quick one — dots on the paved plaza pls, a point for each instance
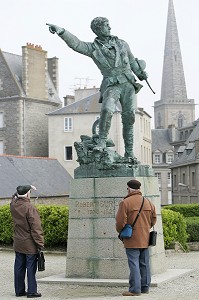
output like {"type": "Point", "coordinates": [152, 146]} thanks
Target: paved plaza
{"type": "Point", "coordinates": [183, 287]}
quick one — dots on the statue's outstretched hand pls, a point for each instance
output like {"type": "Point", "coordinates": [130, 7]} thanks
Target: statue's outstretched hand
{"type": "Point", "coordinates": [54, 28]}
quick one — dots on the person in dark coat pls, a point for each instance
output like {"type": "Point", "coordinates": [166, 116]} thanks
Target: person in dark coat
{"type": "Point", "coordinates": [28, 239]}
{"type": "Point", "coordinates": [137, 245]}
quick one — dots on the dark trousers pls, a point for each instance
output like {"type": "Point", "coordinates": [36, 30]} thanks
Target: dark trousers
{"type": "Point", "coordinates": [25, 262]}
{"type": "Point", "coordinates": [140, 276]}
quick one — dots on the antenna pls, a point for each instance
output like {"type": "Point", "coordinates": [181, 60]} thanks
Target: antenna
{"type": "Point", "coordinates": [83, 82]}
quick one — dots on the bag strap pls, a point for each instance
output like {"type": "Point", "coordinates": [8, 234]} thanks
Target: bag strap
{"type": "Point", "coordinates": [138, 213]}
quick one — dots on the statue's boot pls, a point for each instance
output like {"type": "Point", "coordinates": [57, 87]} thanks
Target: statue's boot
{"type": "Point", "coordinates": [104, 127]}
{"type": "Point", "coordinates": [128, 119]}
{"type": "Point", "coordinates": [128, 144]}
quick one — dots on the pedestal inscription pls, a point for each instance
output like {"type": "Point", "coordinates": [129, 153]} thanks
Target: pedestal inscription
{"type": "Point", "coordinates": [93, 208]}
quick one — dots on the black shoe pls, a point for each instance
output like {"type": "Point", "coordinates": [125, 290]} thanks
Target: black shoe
{"type": "Point", "coordinates": [21, 294]}
{"type": "Point", "coordinates": [34, 295]}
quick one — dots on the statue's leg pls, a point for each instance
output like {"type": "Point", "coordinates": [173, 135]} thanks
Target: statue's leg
{"type": "Point", "coordinates": [110, 98]}
{"type": "Point", "coordinates": [128, 118]}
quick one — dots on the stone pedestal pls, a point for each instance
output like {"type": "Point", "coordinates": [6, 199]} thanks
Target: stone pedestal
{"type": "Point", "coordinates": [94, 250]}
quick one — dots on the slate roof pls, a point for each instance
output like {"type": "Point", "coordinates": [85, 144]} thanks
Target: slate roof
{"type": "Point", "coordinates": [14, 63]}
{"type": "Point", "coordinates": [188, 153]}
{"type": "Point", "coordinates": [88, 104]}
{"type": "Point", "coordinates": [161, 140]}
{"type": "Point", "coordinates": [47, 174]}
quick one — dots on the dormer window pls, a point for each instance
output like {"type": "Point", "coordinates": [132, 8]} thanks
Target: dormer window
{"type": "Point", "coordinates": [189, 148]}
{"type": "Point", "coordinates": [169, 158]}
{"type": "Point", "coordinates": [157, 158]}
{"type": "Point", "coordinates": [180, 150]}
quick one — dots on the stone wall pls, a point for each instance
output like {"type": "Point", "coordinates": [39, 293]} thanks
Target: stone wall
{"type": "Point", "coordinates": [25, 130]}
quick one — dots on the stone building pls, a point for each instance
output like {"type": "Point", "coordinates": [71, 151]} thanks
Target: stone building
{"type": "Point", "coordinates": [185, 167]}
{"type": "Point", "coordinates": [173, 111]}
{"type": "Point", "coordinates": [67, 124]}
{"type": "Point", "coordinates": [28, 91]}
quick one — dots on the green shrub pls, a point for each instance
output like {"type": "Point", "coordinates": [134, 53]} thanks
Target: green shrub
{"type": "Point", "coordinates": [174, 228]}
{"type": "Point", "coordinates": [193, 229]}
{"type": "Point", "coordinates": [5, 224]}
{"type": "Point", "coordinates": [54, 223]}
{"type": "Point", "coordinates": [187, 210]}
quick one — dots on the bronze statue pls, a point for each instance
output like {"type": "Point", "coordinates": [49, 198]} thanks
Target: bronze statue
{"type": "Point", "coordinates": [117, 64]}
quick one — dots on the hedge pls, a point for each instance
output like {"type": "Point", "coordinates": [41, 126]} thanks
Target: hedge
{"type": "Point", "coordinates": [54, 223]}
{"type": "Point", "coordinates": [193, 229]}
{"type": "Point", "coordinates": [174, 228]}
{"type": "Point", "coordinates": [191, 215]}
{"type": "Point", "coordinates": [187, 210]}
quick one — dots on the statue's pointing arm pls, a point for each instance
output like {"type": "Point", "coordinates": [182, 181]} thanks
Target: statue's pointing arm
{"type": "Point", "coordinates": [71, 40]}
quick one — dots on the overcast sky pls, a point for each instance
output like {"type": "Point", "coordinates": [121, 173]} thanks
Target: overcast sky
{"type": "Point", "coordinates": [141, 23]}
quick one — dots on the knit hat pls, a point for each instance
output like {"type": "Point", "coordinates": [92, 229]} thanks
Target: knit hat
{"type": "Point", "coordinates": [23, 189]}
{"type": "Point", "coordinates": [134, 184]}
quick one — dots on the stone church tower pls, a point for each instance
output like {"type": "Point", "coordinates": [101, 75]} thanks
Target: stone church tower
{"type": "Point", "coordinates": [174, 108]}
{"type": "Point", "coordinates": [28, 91]}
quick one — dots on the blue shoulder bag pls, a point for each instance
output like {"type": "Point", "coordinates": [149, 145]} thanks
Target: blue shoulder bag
{"type": "Point", "coordinates": [127, 231]}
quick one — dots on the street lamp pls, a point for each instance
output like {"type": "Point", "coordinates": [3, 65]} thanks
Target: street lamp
{"type": "Point", "coordinates": [184, 185]}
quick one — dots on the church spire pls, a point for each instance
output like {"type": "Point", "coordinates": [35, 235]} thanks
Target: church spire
{"type": "Point", "coordinates": [173, 108]}
{"type": "Point", "coordinates": [173, 88]}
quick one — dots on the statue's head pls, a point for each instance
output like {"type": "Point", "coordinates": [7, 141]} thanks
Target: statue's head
{"type": "Point", "coordinates": [97, 23]}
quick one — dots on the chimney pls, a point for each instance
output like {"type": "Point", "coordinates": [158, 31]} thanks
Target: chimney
{"type": "Point", "coordinates": [53, 71]}
{"type": "Point", "coordinates": [35, 72]}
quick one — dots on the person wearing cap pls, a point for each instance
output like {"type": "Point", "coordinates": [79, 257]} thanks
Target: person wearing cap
{"type": "Point", "coordinates": [137, 245]}
{"type": "Point", "coordinates": [28, 239]}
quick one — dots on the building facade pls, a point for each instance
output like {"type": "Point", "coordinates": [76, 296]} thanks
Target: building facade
{"type": "Point", "coordinates": [28, 91]}
{"type": "Point", "coordinates": [67, 124]}
{"type": "Point", "coordinates": [185, 167]}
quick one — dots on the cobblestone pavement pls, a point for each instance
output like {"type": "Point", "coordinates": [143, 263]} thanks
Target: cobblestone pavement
{"type": "Point", "coordinates": [185, 287]}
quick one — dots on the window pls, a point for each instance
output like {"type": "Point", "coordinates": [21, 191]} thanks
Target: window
{"type": "Point", "coordinates": [68, 124]}
{"type": "Point", "coordinates": [1, 147]}
{"type": "Point", "coordinates": [193, 179]}
{"type": "Point", "coordinates": [68, 153]}
{"type": "Point", "coordinates": [157, 158]}
{"type": "Point", "coordinates": [158, 175]}
{"type": "Point", "coordinates": [175, 181]}
{"type": "Point", "coordinates": [169, 158]}
{"type": "Point", "coordinates": [181, 135]}
{"type": "Point", "coordinates": [1, 120]}
{"type": "Point", "coordinates": [159, 120]}
{"type": "Point", "coordinates": [169, 178]}
{"type": "Point", "coordinates": [183, 178]}
{"type": "Point", "coordinates": [180, 120]}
